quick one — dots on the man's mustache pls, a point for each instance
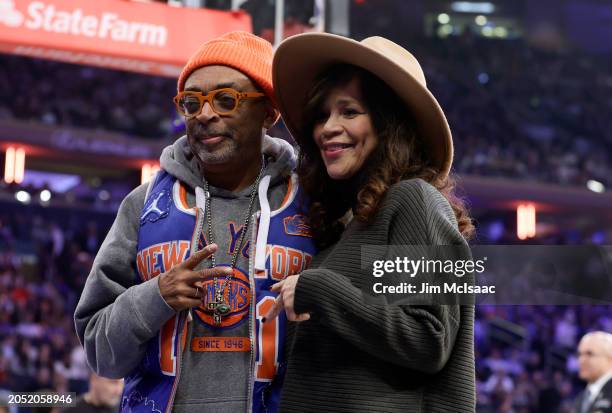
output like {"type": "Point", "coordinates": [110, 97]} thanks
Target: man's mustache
{"type": "Point", "coordinates": [200, 131]}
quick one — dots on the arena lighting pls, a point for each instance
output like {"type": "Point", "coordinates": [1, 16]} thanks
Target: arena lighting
{"type": "Point", "coordinates": [480, 20]}
{"type": "Point", "coordinates": [45, 195]}
{"type": "Point", "coordinates": [9, 165]}
{"type": "Point", "coordinates": [595, 186]}
{"type": "Point", "coordinates": [445, 30]}
{"type": "Point", "coordinates": [500, 31]}
{"type": "Point", "coordinates": [147, 171]}
{"type": "Point", "coordinates": [525, 221]}
{"type": "Point", "coordinates": [472, 7]}
{"type": "Point", "coordinates": [487, 31]}
{"type": "Point", "coordinates": [443, 18]}
{"type": "Point", "coordinates": [104, 195]}
{"type": "Point", "coordinates": [19, 165]}
{"type": "Point", "coordinates": [14, 165]}
{"type": "Point", "coordinates": [23, 197]}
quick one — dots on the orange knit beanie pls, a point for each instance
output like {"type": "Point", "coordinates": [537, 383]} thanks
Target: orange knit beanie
{"type": "Point", "coordinates": [243, 51]}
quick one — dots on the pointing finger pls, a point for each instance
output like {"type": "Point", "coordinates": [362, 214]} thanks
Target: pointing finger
{"type": "Point", "coordinates": [196, 258]}
{"type": "Point", "coordinates": [277, 287]}
{"type": "Point", "coordinates": [194, 276]}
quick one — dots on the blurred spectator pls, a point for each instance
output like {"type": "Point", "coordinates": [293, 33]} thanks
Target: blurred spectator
{"type": "Point", "coordinates": [595, 361]}
{"type": "Point", "coordinates": [499, 382]}
{"type": "Point", "coordinates": [565, 330]}
{"type": "Point", "coordinates": [103, 396]}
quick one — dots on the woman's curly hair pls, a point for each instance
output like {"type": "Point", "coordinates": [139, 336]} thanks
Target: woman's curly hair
{"type": "Point", "coordinates": [399, 155]}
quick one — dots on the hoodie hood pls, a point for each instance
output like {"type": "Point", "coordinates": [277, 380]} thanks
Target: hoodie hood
{"type": "Point", "coordinates": [178, 160]}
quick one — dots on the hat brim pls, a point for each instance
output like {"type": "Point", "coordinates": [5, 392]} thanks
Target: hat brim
{"type": "Point", "coordinates": [300, 59]}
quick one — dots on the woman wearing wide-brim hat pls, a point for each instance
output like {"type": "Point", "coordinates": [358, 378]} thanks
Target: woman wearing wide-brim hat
{"type": "Point", "coordinates": [376, 153]}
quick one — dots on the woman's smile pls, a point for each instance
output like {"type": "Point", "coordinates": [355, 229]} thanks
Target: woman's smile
{"type": "Point", "coordinates": [344, 132]}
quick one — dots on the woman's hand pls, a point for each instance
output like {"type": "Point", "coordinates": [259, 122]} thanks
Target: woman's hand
{"type": "Point", "coordinates": [285, 299]}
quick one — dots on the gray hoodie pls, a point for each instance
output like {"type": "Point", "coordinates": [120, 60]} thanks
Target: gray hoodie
{"type": "Point", "coordinates": [115, 317]}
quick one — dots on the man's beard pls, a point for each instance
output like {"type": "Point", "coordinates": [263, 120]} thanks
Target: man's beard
{"type": "Point", "coordinates": [219, 153]}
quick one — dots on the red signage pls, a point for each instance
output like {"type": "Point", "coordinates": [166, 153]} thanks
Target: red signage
{"type": "Point", "coordinates": [151, 38]}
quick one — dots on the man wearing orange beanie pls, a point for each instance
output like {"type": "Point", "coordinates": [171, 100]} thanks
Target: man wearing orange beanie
{"type": "Point", "coordinates": [176, 294]}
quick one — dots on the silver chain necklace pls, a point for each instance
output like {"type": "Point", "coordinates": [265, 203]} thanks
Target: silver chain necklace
{"type": "Point", "coordinates": [219, 307]}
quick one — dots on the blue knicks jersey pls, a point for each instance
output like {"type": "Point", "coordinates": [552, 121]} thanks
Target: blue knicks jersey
{"type": "Point", "coordinates": [170, 232]}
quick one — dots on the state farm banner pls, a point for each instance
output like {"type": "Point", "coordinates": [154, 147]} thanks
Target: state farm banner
{"type": "Point", "coordinates": [152, 38]}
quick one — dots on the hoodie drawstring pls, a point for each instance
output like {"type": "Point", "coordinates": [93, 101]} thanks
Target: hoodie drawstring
{"type": "Point", "coordinates": [200, 198]}
{"type": "Point", "coordinates": [264, 224]}
{"type": "Point", "coordinates": [201, 205]}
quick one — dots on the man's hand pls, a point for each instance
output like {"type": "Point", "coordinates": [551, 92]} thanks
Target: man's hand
{"type": "Point", "coordinates": [180, 286]}
{"type": "Point", "coordinates": [286, 296]}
